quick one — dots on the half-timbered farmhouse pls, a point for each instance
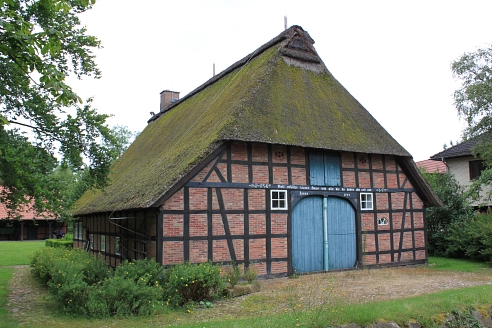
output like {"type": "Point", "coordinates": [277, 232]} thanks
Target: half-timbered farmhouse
{"type": "Point", "coordinates": [270, 163]}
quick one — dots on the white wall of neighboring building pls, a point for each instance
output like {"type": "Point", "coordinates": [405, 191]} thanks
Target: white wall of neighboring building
{"type": "Point", "coordinates": [459, 168]}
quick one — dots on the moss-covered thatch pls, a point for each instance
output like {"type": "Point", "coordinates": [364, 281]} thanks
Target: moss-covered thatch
{"type": "Point", "coordinates": [280, 94]}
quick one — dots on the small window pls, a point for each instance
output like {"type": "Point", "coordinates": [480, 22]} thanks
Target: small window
{"type": "Point", "coordinates": [475, 168]}
{"type": "Point", "coordinates": [76, 230]}
{"type": "Point", "coordinates": [117, 245]}
{"type": "Point", "coordinates": [91, 238]}
{"type": "Point", "coordinates": [278, 199]}
{"type": "Point", "coordinates": [365, 201]}
{"type": "Point", "coordinates": [77, 227]}
{"type": "Point", "coordinates": [103, 243]}
{"type": "Point", "coordinates": [382, 221]}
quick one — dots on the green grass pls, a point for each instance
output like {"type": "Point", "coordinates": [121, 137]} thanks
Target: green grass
{"type": "Point", "coordinates": [429, 310]}
{"type": "Point", "coordinates": [5, 319]}
{"type": "Point", "coordinates": [446, 264]}
{"type": "Point", "coordinates": [13, 253]}
{"type": "Point", "coordinates": [17, 252]}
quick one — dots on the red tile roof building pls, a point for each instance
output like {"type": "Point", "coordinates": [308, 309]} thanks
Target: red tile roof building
{"type": "Point", "coordinates": [31, 225]}
{"type": "Point", "coordinates": [432, 166]}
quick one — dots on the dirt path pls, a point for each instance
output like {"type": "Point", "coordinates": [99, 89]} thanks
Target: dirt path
{"type": "Point", "coordinates": [284, 294]}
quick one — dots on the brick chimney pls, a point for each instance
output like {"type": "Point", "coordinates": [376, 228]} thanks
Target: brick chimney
{"type": "Point", "coordinates": [168, 97]}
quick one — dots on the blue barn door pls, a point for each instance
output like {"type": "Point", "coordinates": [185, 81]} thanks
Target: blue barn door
{"type": "Point", "coordinates": [307, 235]}
{"type": "Point", "coordinates": [342, 252]}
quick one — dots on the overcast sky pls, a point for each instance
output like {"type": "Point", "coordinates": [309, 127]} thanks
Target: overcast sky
{"type": "Point", "coordinates": [393, 56]}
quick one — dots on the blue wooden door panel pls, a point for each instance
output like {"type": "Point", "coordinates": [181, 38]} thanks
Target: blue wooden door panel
{"type": "Point", "coordinates": [316, 169]}
{"type": "Point", "coordinates": [342, 251]}
{"type": "Point", "coordinates": [332, 169]}
{"type": "Point", "coordinates": [324, 169]}
{"type": "Point", "coordinates": [307, 235]}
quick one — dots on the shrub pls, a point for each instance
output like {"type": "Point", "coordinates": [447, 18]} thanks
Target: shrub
{"type": "Point", "coordinates": [84, 284]}
{"type": "Point", "coordinates": [121, 296]}
{"type": "Point", "coordinates": [250, 273]}
{"type": "Point", "coordinates": [441, 220]}
{"type": "Point", "coordinates": [232, 274]}
{"type": "Point", "coordinates": [187, 282]}
{"type": "Point", "coordinates": [43, 260]}
{"type": "Point", "coordinates": [472, 239]}
{"type": "Point", "coordinates": [57, 243]}
{"type": "Point", "coordinates": [145, 271]}
{"type": "Point", "coordinates": [68, 274]}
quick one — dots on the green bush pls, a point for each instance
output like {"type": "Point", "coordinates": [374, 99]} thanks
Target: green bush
{"type": "Point", "coordinates": [120, 296]}
{"type": "Point", "coordinates": [66, 243]}
{"type": "Point", "coordinates": [145, 271]}
{"type": "Point", "coordinates": [232, 274]}
{"type": "Point", "coordinates": [84, 284]}
{"type": "Point", "coordinates": [472, 239]}
{"type": "Point", "coordinates": [250, 273]}
{"type": "Point", "coordinates": [442, 220]}
{"type": "Point", "coordinates": [68, 274]}
{"type": "Point", "coordinates": [188, 282]}
{"type": "Point", "coordinates": [69, 288]}
{"type": "Point", "coordinates": [134, 289]}
{"type": "Point", "coordinates": [43, 260]}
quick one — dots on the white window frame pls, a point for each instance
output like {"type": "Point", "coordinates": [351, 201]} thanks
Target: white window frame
{"type": "Point", "coordinates": [103, 243]}
{"type": "Point", "coordinates": [278, 200]}
{"type": "Point", "coordinates": [117, 245]}
{"type": "Point", "coordinates": [366, 201]}
{"type": "Point", "coordinates": [91, 238]}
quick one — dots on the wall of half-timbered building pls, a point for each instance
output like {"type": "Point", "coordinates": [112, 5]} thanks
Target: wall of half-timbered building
{"type": "Point", "coordinates": [118, 236]}
{"type": "Point", "coordinates": [224, 213]}
{"type": "Point", "coordinates": [229, 211]}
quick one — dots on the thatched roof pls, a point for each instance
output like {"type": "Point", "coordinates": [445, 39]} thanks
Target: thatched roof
{"type": "Point", "coordinates": [282, 93]}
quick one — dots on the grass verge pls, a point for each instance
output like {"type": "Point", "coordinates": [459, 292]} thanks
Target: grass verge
{"type": "Point", "coordinates": [17, 252]}
{"type": "Point", "coordinates": [429, 310]}
{"type": "Point", "coordinates": [5, 319]}
{"type": "Point", "coordinates": [441, 263]}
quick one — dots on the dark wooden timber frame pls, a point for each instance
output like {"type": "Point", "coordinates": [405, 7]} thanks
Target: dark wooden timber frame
{"type": "Point", "coordinates": [295, 192]}
{"type": "Point", "coordinates": [132, 228]}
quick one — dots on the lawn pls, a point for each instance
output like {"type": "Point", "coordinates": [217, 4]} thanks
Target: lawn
{"type": "Point", "coordinates": [17, 252]}
{"type": "Point", "coordinates": [440, 263]}
{"type": "Point", "coordinates": [259, 310]}
{"type": "Point", "coordinates": [13, 253]}
{"type": "Point", "coordinates": [5, 319]}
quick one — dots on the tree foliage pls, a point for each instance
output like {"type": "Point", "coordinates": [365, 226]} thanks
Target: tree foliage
{"type": "Point", "coordinates": [41, 118]}
{"type": "Point", "coordinates": [72, 184]}
{"type": "Point", "coordinates": [473, 101]}
{"type": "Point", "coordinates": [123, 138]}
{"type": "Point", "coordinates": [471, 239]}
{"type": "Point", "coordinates": [440, 220]}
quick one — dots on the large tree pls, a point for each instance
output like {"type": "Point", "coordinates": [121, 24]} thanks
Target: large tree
{"type": "Point", "coordinates": [473, 101]}
{"type": "Point", "coordinates": [42, 120]}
